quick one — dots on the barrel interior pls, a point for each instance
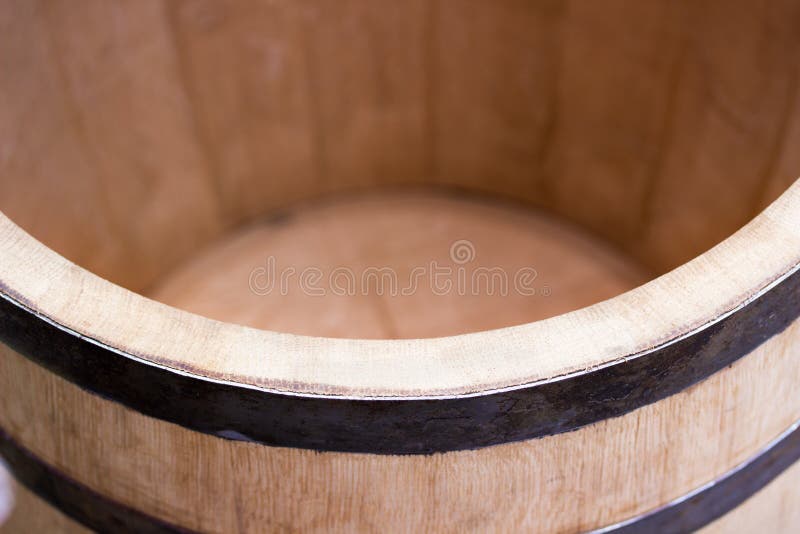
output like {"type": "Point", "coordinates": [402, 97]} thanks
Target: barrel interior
{"type": "Point", "coordinates": [174, 147]}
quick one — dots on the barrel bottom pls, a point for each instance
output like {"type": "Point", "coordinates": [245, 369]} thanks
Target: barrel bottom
{"type": "Point", "coordinates": [399, 265]}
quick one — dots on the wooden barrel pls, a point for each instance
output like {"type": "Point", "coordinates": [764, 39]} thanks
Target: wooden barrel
{"type": "Point", "coordinates": [211, 210]}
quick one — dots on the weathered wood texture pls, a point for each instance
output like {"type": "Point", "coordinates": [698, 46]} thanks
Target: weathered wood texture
{"type": "Point", "coordinates": [136, 137]}
{"type": "Point", "coordinates": [639, 120]}
{"type": "Point", "coordinates": [585, 479]}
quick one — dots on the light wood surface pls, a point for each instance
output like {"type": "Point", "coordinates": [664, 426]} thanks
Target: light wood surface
{"type": "Point", "coordinates": [694, 295]}
{"type": "Point", "coordinates": [773, 509]}
{"type": "Point", "coordinates": [375, 256]}
{"type": "Point", "coordinates": [151, 148]}
{"type": "Point", "coordinates": [63, 151]}
{"type": "Point", "coordinates": [570, 482]}
{"type": "Point", "coordinates": [191, 118]}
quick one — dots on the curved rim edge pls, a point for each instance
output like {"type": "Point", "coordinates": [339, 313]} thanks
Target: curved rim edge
{"type": "Point", "coordinates": [689, 299]}
{"type": "Point", "coordinates": [400, 426]}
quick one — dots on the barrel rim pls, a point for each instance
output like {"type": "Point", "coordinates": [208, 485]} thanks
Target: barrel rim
{"type": "Point", "coordinates": [399, 426]}
{"type": "Point", "coordinates": [637, 323]}
{"type": "Point", "coordinates": [376, 424]}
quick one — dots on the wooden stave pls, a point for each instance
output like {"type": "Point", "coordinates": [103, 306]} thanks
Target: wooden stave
{"type": "Point", "coordinates": [768, 289]}
{"type": "Point", "coordinates": [691, 512]}
{"type": "Point", "coordinates": [779, 411]}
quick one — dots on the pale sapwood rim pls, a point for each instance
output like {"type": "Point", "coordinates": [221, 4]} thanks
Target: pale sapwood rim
{"type": "Point", "coordinates": [663, 312]}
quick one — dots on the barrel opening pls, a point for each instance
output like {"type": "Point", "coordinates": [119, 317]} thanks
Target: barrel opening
{"type": "Point", "coordinates": [375, 170]}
